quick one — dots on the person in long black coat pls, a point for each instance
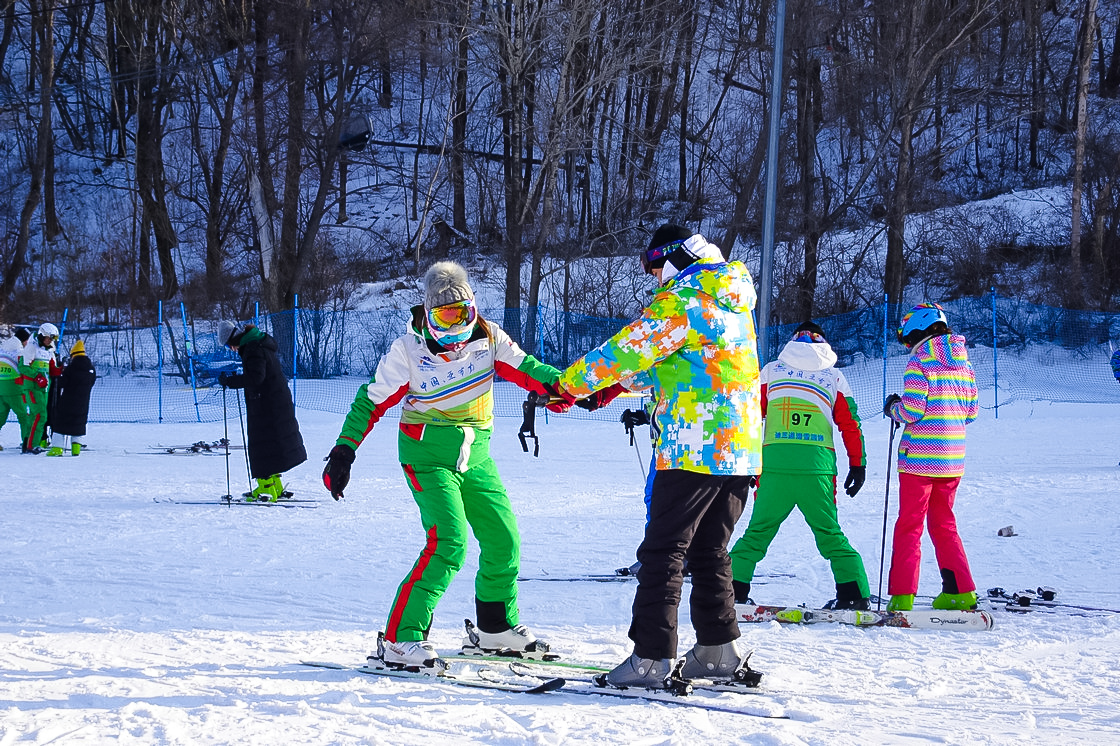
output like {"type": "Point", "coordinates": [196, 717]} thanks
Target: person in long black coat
{"type": "Point", "coordinates": [71, 409]}
{"type": "Point", "coordinates": [275, 444]}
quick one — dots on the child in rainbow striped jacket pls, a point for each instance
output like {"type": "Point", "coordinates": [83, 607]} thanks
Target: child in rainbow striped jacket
{"type": "Point", "coordinates": [938, 400]}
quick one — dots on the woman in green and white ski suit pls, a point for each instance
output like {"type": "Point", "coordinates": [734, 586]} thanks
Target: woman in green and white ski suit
{"type": "Point", "coordinates": [444, 379]}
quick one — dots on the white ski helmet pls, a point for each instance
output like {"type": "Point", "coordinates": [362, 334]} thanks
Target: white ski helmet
{"type": "Point", "coordinates": [48, 330]}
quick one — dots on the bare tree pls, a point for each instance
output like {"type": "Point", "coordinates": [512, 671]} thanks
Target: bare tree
{"type": "Point", "coordinates": [217, 33]}
{"type": "Point", "coordinates": [1075, 295]}
{"type": "Point", "coordinates": [148, 32]}
{"type": "Point", "coordinates": [914, 41]}
{"type": "Point", "coordinates": [42, 27]}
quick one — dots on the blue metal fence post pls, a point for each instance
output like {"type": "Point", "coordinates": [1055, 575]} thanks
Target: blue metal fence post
{"type": "Point", "coordinates": [189, 347]}
{"type": "Point", "coordinates": [257, 314]}
{"type": "Point", "coordinates": [159, 358]}
{"type": "Point", "coordinates": [62, 326]}
{"type": "Point", "coordinates": [295, 346]}
{"type": "Point", "coordinates": [886, 340]}
{"type": "Point", "coordinates": [995, 351]}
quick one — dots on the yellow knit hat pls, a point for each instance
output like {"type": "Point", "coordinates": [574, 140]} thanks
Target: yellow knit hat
{"type": "Point", "coordinates": [78, 348]}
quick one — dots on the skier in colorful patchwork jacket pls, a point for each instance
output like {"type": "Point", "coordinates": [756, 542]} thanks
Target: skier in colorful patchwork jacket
{"type": "Point", "coordinates": [938, 401]}
{"type": "Point", "coordinates": [442, 370]}
{"type": "Point", "coordinates": [275, 444]}
{"type": "Point", "coordinates": [697, 340]}
{"type": "Point", "coordinates": [804, 398]}
{"type": "Point", "coordinates": [38, 366]}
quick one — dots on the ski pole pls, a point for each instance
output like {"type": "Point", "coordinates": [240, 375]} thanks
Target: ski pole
{"type": "Point", "coordinates": [225, 440]}
{"type": "Point", "coordinates": [886, 503]}
{"type": "Point", "coordinates": [244, 444]}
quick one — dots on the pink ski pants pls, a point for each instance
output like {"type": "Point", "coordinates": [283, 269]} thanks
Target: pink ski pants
{"type": "Point", "coordinates": [926, 500]}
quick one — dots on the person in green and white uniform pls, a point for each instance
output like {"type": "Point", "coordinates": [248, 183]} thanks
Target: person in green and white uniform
{"type": "Point", "coordinates": [11, 382]}
{"type": "Point", "coordinates": [442, 372]}
{"type": "Point", "coordinates": [804, 398]}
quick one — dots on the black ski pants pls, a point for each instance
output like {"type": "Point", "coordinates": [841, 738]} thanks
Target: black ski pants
{"type": "Point", "coordinates": [692, 517]}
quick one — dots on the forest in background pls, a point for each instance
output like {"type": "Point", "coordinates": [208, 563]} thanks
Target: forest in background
{"type": "Point", "coordinates": [222, 153]}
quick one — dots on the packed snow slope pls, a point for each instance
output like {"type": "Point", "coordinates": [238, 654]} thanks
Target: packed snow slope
{"type": "Point", "coordinates": [128, 619]}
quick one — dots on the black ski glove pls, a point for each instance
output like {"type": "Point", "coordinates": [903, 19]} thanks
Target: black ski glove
{"type": "Point", "coordinates": [229, 380]}
{"type": "Point", "coordinates": [890, 402]}
{"type": "Point", "coordinates": [856, 476]}
{"type": "Point", "coordinates": [336, 475]}
{"type": "Point", "coordinates": [631, 418]}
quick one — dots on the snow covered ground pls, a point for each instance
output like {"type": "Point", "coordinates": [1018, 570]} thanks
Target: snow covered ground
{"type": "Point", "coordinates": [132, 621]}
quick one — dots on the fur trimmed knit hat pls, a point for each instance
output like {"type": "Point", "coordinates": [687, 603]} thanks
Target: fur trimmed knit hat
{"type": "Point", "coordinates": [446, 282]}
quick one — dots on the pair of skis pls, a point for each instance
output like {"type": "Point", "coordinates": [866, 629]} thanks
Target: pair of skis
{"type": "Point", "coordinates": [531, 676]}
{"type": "Point", "coordinates": [954, 619]}
{"type": "Point", "coordinates": [281, 503]}
{"type": "Point", "coordinates": [217, 447]}
{"type": "Point", "coordinates": [622, 575]}
{"type": "Point", "coordinates": [1040, 597]}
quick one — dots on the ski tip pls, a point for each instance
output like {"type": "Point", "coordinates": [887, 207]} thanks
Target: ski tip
{"type": "Point", "coordinates": [547, 686]}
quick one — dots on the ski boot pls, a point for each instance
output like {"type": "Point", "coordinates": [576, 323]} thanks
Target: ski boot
{"type": "Point", "coordinates": [903, 602]}
{"type": "Point", "coordinates": [645, 673]}
{"type": "Point", "coordinates": [55, 451]}
{"type": "Point", "coordinates": [408, 655]}
{"type": "Point", "coordinates": [629, 572]}
{"type": "Point", "coordinates": [742, 592]}
{"type": "Point", "coordinates": [515, 642]}
{"type": "Point", "coordinates": [848, 596]}
{"type": "Point", "coordinates": [75, 449]}
{"type": "Point", "coordinates": [722, 663]}
{"type": "Point", "coordinates": [946, 601]}
{"type": "Point", "coordinates": [268, 489]}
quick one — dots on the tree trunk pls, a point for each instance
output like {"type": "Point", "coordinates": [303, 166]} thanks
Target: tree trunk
{"type": "Point", "coordinates": [215, 171]}
{"type": "Point", "coordinates": [151, 182]}
{"type": "Point", "coordinates": [894, 277]}
{"type": "Point", "coordinates": [6, 35]}
{"type": "Point", "coordinates": [42, 18]}
{"type": "Point", "coordinates": [1110, 84]}
{"type": "Point", "coordinates": [1075, 296]}
{"type": "Point", "coordinates": [459, 122]}
{"type": "Point", "coordinates": [511, 70]}
{"type": "Point", "coordinates": [807, 71]}
{"type": "Point", "coordinates": [279, 286]}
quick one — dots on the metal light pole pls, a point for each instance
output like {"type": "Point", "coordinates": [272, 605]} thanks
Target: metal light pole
{"type": "Point", "coordinates": [766, 271]}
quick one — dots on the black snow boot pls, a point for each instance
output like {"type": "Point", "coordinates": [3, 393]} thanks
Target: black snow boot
{"type": "Point", "coordinates": [848, 597]}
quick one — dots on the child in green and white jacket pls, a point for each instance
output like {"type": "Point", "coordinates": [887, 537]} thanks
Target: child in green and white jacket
{"type": "Point", "coordinates": [804, 399]}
